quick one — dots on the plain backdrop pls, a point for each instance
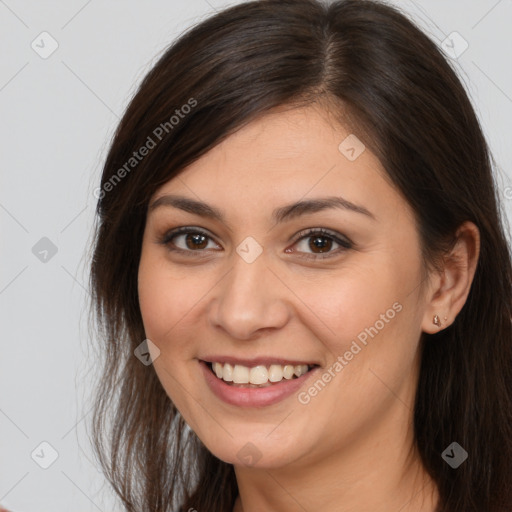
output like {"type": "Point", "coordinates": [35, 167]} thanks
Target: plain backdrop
{"type": "Point", "coordinates": [57, 115]}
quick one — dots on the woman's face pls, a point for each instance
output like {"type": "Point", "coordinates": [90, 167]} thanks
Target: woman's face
{"type": "Point", "coordinates": [252, 290]}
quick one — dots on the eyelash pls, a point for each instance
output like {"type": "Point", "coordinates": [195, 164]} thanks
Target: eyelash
{"type": "Point", "coordinates": [309, 233]}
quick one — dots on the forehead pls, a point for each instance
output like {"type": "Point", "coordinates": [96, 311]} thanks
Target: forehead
{"type": "Point", "coordinates": [283, 156]}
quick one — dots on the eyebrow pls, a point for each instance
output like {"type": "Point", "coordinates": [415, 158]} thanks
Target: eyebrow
{"type": "Point", "coordinates": [279, 215]}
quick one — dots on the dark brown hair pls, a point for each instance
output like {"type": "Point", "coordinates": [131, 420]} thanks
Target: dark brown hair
{"type": "Point", "coordinates": [388, 81]}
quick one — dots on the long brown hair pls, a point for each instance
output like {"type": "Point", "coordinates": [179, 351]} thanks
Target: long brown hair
{"type": "Point", "coordinates": [385, 77]}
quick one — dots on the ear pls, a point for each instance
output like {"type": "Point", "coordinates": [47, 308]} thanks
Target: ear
{"type": "Point", "coordinates": [449, 289]}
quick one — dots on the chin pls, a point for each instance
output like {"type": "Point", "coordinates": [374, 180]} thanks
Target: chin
{"type": "Point", "coordinates": [256, 451]}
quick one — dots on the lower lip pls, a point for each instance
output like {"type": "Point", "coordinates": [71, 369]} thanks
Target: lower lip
{"type": "Point", "coordinates": [252, 397]}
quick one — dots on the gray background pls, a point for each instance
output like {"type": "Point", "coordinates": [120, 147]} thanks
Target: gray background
{"type": "Point", "coordinates": [57, 117]}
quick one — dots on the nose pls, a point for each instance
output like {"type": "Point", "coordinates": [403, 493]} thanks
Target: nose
{"type": "Point", "coordinates": [250, 301]}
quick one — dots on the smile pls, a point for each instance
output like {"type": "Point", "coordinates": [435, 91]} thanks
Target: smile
{"type": "Point", "coordinates": [259, 375]}
{"type": "Point", "coordinates": [257, 383]}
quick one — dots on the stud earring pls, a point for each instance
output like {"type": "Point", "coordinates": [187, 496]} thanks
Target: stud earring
{"type": "Point", "coordinates": [437, 321]}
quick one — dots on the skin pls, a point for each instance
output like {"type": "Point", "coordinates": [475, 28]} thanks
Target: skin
{"type": "Point", "coordinates": [351, 447]}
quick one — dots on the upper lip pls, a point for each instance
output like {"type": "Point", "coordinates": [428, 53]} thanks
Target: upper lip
{"type": "Point", "coordinates": [257, 361]}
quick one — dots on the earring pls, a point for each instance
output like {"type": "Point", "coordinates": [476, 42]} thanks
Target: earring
{"type": "Point", "coordinates": [437, 321]}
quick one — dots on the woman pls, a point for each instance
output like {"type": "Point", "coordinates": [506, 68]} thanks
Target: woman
{"type": "Point", "coordinates": [298, 227]}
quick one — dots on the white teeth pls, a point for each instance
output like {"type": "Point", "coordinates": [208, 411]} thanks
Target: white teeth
{"type": "Point", "coordinates": [241, 374]}
{"type": "Point", "coordinates": [227, 372]}
{"type": "Point", "coordinates": [217, 368]}
{"type": "Point", "coordinates": [275, 373]}
{"type": "Point", "coordinates": [301, 369]}
{"type": "Point", "coordinates": [257, 375]}
{"type": "Point", "coordinates": [288, 371]}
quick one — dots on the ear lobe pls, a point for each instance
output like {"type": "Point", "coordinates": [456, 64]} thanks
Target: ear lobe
{"type": "Point", "coordinates": [451, 287]}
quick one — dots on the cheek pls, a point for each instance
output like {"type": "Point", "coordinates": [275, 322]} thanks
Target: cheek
{"type": "Point", "coordinates": [172, 303]}
{"type": "Point", "coordinates": [356, 300]}
{"type": "Point", "coordinates": [372, 318]}
{"type": "Point", "coordinates": [371, 356]}
{"type": "Point", "coordinates": [164, 300]}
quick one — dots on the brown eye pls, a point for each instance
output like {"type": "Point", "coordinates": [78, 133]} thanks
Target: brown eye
{"type": "Point", "coordinates": [187, 240]}
{"type": "Point", "coordinates": [196, 241]}
{"type": "Point", "coordinates": [320, 242]}
{"type": "Point", "coordinates": [313, 244]}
